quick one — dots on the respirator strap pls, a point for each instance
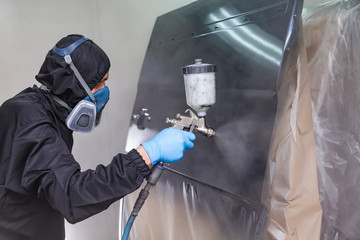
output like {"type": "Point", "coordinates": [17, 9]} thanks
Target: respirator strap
{"type": "Point", "coordinates": [61, 102]}
{"type": "Point", "coordinates": [65, 52]}
{"type": "Point", "coordinates": [79, 77]}
{"type": "Point", "coordinates": [56, 98]}
{"type": "Point", "coordinates": [69, 49]}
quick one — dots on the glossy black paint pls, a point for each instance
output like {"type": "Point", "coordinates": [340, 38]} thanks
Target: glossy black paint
{"type": "Point", "coordinates": [246, 40]}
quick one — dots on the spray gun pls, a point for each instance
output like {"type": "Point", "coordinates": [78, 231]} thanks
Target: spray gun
{"type": "Point", "coordinates": [199, 80]}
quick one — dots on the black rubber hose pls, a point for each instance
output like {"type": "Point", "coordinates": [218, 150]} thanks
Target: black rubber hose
{"type": "Point", "coordinates": [144, 193]}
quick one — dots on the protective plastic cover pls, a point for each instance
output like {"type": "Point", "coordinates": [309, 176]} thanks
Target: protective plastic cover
{"type": "Point", "coordinates": [332, 38]}
{"type": "Point", "coordinates": [291, 190]}
{"type": "Point", "coordinates": [329, 64]}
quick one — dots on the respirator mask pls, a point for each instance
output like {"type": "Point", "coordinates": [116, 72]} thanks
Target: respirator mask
{"type": "Point", "coordinates": [87, 113]}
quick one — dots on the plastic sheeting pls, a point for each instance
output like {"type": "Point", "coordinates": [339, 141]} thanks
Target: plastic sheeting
{"type": "Point", "coordinates": [291, 190]}
{"type": "Point", "coordinates": [302, 171]}
{"type": "Point", "coordinates": [332, 38]}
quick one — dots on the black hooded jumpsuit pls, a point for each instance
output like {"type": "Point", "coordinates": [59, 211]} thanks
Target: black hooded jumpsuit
{"type": "Point", "coordinates": [40, 181]}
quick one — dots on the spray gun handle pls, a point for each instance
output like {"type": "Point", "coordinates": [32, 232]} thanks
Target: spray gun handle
{"type": "Point", "coordinates": [175, 123]}
{"type": "Point", "coordinates": [191, 123]}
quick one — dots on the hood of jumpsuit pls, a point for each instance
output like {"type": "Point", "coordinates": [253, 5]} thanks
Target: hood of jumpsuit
{"type": "Point", "coordinates": [90, 60]}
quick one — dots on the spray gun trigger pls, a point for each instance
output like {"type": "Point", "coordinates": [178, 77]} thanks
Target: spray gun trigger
{"type": "Point", "coordinates": [194, 119]}
{"type": "Point", "coordinates": [193, 125]}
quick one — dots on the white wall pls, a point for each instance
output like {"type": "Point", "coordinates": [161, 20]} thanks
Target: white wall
{"type": "Point", "coordinates": [28, 29]}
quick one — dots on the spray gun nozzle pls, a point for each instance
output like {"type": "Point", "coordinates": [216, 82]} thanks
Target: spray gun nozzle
{"type": "Point", "coordinates": [203, 129]}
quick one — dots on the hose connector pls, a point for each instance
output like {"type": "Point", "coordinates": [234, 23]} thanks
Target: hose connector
{"type": "Point", "coordinates": [156, 172]}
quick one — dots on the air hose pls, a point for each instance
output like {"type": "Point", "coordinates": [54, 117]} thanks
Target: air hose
{"type": "Point", "coordinates": [156, 172]}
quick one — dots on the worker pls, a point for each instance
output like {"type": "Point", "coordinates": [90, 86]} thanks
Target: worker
{"type": "Point", "coordinates": [40, 181]}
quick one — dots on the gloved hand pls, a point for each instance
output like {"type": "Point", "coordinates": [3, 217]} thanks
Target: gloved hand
{"type": "Point", "coordinates": [169, 145]}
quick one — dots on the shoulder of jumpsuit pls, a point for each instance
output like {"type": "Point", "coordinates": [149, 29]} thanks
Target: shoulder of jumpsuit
{"type": "Point", "coordinates": [25, 108]}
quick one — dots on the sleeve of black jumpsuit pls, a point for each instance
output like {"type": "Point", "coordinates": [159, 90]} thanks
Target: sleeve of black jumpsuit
{"type": "Point", "coordinates": [52, 172]}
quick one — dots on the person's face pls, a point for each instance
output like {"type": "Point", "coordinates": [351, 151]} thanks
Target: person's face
{"type": "Point", "coordinates": [101, 84]}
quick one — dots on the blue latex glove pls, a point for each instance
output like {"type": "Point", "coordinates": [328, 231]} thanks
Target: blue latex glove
{"type": "Point", "coordinates": [169, 145]}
